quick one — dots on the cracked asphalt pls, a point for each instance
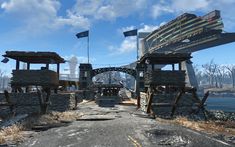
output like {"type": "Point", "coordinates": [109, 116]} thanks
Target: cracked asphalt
{"type": "Point", "coordinates": [120, 126]}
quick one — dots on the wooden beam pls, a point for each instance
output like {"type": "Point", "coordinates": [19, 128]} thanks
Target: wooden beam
{"type": "Point", "coordinates": [58, 69]}
{"type": "Point", "coordinates": [176, 102]}
{"type": "Point", "coordinates": [180, 66]}
{"type": "Point", "coordinates": [17, 64]}
{"type": "Point", "coordinates": [150, 99]}
{"type": "Point", "coordinates": [138, 102]}
{"type": "Point", "coordinates": [44, 100]}
{"type": "Point", "coordinates": [7, 96]}
{"type": "Point", "coordinates": [47, 66]}
{"type": "Point", "coordinates": [28, 66]}
{"type": "Point", "coordinates": [201, 105]}
{"type": "Point", "coordinates": [205, 98]}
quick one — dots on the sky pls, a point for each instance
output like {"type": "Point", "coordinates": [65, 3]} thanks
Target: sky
{"type": "Point", "coordinates": [51, 25]}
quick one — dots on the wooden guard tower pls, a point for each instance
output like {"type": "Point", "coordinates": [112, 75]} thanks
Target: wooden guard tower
{"type": "Point", "coordinates": [160, 83]}
{"type": "Point", "coordinates": [43, 77]}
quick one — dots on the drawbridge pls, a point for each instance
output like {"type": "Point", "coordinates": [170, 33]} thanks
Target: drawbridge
{"type": "Point", "coordinates": [188, 33]}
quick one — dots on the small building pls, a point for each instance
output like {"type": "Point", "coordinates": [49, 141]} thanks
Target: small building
{"type": "Point", "coordinates": [166, 93]}
{"type": "Point", "coordinates": [40, 77]}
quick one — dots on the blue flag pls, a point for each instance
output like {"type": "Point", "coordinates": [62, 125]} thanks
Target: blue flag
{"type": "Point", "coordinates": [130, 33]}
{"type": "Point", "coordinates": [82, 34]}
{"type": "Point", "coordinates": [5, 60]}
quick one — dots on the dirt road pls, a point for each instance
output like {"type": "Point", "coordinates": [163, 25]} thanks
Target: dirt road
{"type": "Point", "coordinates": [121, 126]}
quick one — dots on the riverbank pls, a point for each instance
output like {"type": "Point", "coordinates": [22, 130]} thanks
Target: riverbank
{"type": "Point", "coordinates": [220, 92]}
{"type": "Point", "coordinates": [218, 115]}
{"type": "Point", "coordinates": [225, 104]}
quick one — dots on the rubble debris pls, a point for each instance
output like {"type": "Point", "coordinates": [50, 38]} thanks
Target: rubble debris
{"type": "Point", "coordinates": [176, 141]}
{"type": "Point", "coordinates": [221, 115]}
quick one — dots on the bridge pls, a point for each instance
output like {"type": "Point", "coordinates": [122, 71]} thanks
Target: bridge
{"type": "Point", "coordinates": [185, 34]}
{"type": "Point", "coordinates": [118, 69]}
{"type": "Point", "coordinates": [188, 33]}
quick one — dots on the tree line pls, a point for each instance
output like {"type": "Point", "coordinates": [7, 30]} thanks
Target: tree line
{"type": "Point", "coordinates": [215, 75]}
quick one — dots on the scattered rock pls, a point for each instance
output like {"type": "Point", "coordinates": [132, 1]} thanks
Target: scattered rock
{"type": "Point", "coordinates": [226, 138]}
{"type": "Point", "coordinates": [230, 139]}
{"type": "Point", "coordinates": [221, 115]}
{"type": "Point", "coordinates": [176, 141]}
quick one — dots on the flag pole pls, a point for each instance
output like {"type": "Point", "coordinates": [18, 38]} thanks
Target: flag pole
{"type": "Point", "coordinates": [137, 45]}
{"type": "Point", "coordinates": [88, 49]}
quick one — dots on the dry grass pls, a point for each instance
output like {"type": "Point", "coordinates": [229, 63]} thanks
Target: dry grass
{"type": "Point", "coordinates": [51, 118]}
{"type": "Point", "coordinates": [11, 134]}
{"type": "Point", "coordinates": [66, 116]}
{"type": "Point", "coordinates": [14, 134]}
{"type": "Point", "coordinates": [226, 128]}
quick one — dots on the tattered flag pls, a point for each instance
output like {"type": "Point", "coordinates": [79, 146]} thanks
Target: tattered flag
{"type": "Point", "coordinates": [130, 33]}
{"type": "Point", "coordinates": [5, 60]}
{"type": "Point", "coordinates": [82, 34]}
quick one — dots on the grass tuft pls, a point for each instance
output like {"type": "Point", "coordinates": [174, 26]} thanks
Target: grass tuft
{"type": "Point", "coordinates": [223, 127]}
{"type": "Point", "coordinates": [11, 134]}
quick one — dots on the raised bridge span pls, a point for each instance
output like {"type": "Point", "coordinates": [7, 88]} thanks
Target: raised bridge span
{"type": "Point", "coordinates": [188, 33]}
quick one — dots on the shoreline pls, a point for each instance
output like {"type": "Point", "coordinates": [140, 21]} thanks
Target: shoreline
{"type": "Point", "coordinates": [222, 95]}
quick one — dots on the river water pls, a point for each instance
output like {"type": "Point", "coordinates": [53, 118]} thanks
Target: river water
{"type": "Point", "coordinates": [226, 104]}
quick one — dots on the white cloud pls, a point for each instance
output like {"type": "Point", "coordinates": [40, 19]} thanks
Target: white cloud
{"type": "Point", "coordinates": [128, 45]}
{"type": "Point", "coordinates": [75, 20]}
{"type": "Point", "coordinates": [108, 9]}
{"type": "Point", "coordinates": [160, 9]}
{"type": "Point", "coordinates": [106, 12]}
{"type": "Point", "coordinates": [178, 6]}
{"type": "Point", "coordinates": [148, 28]}
{"type": "Point", "coordinates": [188, 6]}
{"type": "Point", "coordinates": [36, 16]}
{"type": "Point", "coordinates": [41, 15]}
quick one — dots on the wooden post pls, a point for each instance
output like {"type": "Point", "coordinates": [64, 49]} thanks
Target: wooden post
{"type": "Point", "coordinates": [44, 102]}
{"type": "Point", "coordinates": [7, 96]}
{"type": "Point", "coordinates": [138, 102]}
{"type": "Point", "coordinates": [176, 102]}
{"type": "Point", "coordinates": [201, 105]}
{"type": "Point", "coordinates": [47, 100]}
{"type": "Point", "coordinates": [150, 99]}
{"type": "Point", "coordinates": [40, 98]}
{"type": "Point", "coordinates": [14, 89]}
{"type": "Point", "coordinates": [204, 98]}
{"type": "Point", "coordinates": [17, 64]}
{"type": "Point", "coordinates": [28, 66]}
{"type": "Point", "coordinates": [47, 66]}
{"type": "Point", "coordinates": [180, 66]}
{"type": "Point", "coordinates": [58, 75]}
{"type": "Point", "coordinates": [58, 69]}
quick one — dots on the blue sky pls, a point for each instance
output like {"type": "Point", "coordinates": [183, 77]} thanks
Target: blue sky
{"type": "Point", "coordinates": [51, 25]}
